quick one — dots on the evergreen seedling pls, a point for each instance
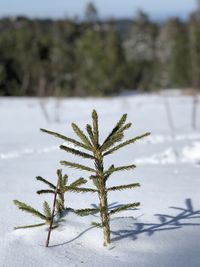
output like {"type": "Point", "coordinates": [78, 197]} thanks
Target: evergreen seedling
{"type": "Point", "coordinates": [97, 152]}
{"type": "Point", "coordinates": [59, 190]}
{"type": "Point", "coordinates": [63, 187]}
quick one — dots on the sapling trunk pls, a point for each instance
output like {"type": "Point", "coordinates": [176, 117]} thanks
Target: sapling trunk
{"type": "Point", "coordinates": [102, 193]}
{"type": "Point", "coordinates": [62, 201]}
{"type": "Point", "coordinates": [104, 216]}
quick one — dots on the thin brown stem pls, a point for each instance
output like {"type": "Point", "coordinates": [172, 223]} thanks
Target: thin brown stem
{"type": "Point", "coordinates": [52, 217]}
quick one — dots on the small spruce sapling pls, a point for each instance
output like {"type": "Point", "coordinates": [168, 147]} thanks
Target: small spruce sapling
{"type": "Point", "coordinates": [97, 153]}
{"type": "Point", "coordinates": [63, 187]}
{"type": "Point", "coordinates": [60, 190]}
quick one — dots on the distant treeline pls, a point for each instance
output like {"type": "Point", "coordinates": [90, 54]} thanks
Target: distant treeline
{"type": "Point", "coordinates": [93, 57]}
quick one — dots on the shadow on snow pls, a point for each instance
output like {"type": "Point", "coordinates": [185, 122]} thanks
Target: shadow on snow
{"type": "Point", "coordinates": [166, 222]}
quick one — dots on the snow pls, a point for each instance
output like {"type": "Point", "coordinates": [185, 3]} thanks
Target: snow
{"type": "Point", "coordinates": [192, 153]}
{"type": "Point", "coordinates": [163, 232]}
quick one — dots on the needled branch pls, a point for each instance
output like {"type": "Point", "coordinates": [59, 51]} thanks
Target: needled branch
{"type": "Point", "coordinates": [79, 190]}
{"type": "Point", "coordinates": [112, 141]}
{"type": "Point", "coordinates": [67, 139]}
{"type": "Point", "coordinates": [121, 168]}
{"type": "Point", "coordinates": [123, 187]}
{"type": "Point", "coordinates": [124, 207]}
{"type": "Point", "coordinates": [119, 124]}
{"type": "Point", "coordinates": [78, 182]}
{"type": "Point", "coordinates": [77, 166]}
{"type": "Point", "coordinates": [39, 178]}
{"type": "Point", "coordinates": [91, 135]}
{"type": "Point", "coordinates": [95, 128]}
{"type": "Point", "coordinates": [128, 142]}
{"type": "Point", "coordinates": [29, 226]}
{"type": "Point", "coordinates": [76, 152]}
{"type": "Point", "coordinates": [45, 191]}
{"type": "Point", "coordinates": [81, 135]}
{"type": "Point", "coordinates": [24, 207]}
{"type": "Point", "coordinates": [86, 212]}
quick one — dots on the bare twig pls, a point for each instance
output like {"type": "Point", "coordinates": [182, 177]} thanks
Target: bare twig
{"type": "Point", "coordinates": [52, 217]}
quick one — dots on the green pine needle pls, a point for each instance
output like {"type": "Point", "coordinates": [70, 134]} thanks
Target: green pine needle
{"type": "Point", "coordinates": [90, 133]}
{"type": "Point", "coordinates": [123, 187]}
{"type": "Point", "coordinates": [78, 182]}
{"type": "Point", "coordinates": [67, 139]}
{"type": "Point", "coordinates": [117, 137]}
{"type": "Point", "coordinates": [59, 207]}
{"type": "Point", "coordinates": [59, 173]}
{"type": "Point", "coordinates": [108, 172]}
{"type": "Point", "coordinates": [45, 191]}
{"type": "Point", "coordinates": [124, 207]}
{"type": "Point", "coordinates": [119, 124]}
{"type": "Point", "coordinates": [65, 179]}
{"type": "Point", "coordinates": [47, 210]}
{"type": "Point", "coordinates": [76, 152]}
{"type": "Point", "coordinates": [95, 128]}
{"type": "Point", "coordinates": [79, 190]}
{"type": "Point", "coordinates": [121, 168]}
{"type": "Point", "coordinates": [24, 207]}
{"type": "Point", "coordinates": [125, 127]}
{"type": "Point", "coordinates": [128, 142]}
{"type": "Point", "coordinates": [29, 226]}
{"type": "Point", "coordinates": [81, 135]}
{"type": "Point", "coordinates": [86, 212]}
{"type": "Point", "coordinates": [39, 178]}
{"type": "Point", "coordinates": [77, 166]}
{"type": "Point", "coordinates": [95, 180]}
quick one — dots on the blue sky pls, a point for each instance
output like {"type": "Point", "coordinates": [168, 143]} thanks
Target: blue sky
{"type": "Point", "coordinates": [158, 9]}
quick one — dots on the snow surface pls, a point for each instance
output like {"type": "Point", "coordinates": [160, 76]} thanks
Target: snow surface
{"type": "Point", "coordinates": [164, 232]}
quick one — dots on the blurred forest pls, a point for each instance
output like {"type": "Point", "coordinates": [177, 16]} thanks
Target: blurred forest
{"type": "Point", "coordinates": [97, 57]}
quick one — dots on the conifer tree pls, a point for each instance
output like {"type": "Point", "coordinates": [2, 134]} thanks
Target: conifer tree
{"type": "Point", "coordinates": [97, 152]}
{"type": "Point", "coordinates": [60, 189]}
{"type": "Point", "coordinates": [63, 187]}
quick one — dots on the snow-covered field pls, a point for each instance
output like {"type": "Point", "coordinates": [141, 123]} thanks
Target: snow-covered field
{"type": "Point", "coordinates": [164, 232]}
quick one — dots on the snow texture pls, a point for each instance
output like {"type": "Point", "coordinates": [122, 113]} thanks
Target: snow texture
{"type": "Point", "coordinates": [163, 232]}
